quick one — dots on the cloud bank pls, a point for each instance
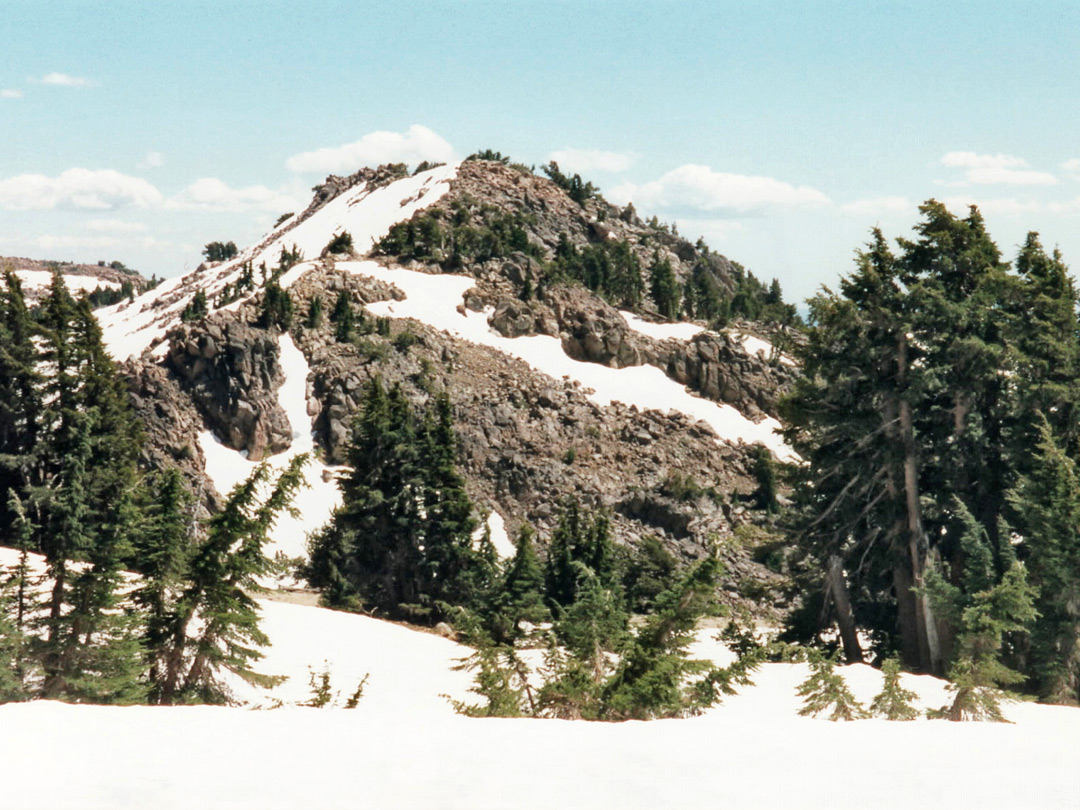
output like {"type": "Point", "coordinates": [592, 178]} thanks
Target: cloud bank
{"type": "Point", "coordinates": [417, 144]}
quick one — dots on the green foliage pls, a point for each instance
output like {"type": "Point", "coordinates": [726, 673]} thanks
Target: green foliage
{"type": "Point", "coordinates": [664, 288]}
{"type": "Point", "coordinates": [765, 473]}
{"type": "Point", "coordinates": [893, 702]}
{"type": "Point", "coordinates": [222, 575]}
{"type": "Point", "coordinates": [649, 569]}
{"type": "Point", "coordinates": [276, 308]}
{"type": "Point", "coordinates": [985, 618]}
{"type": "Point", "coordinates": [654, 677]}
{"type": "Point", "coordinates": [1047, 500]}
{"type": "Point", "coordinates": [826, 690]}
{"type": "Point", "coordinates": [220, 251]}
{"type": "Point", "coordinates": [519, 597]}
{"type": "Point", "coordinates": [339, 243]}
{"type": "Point", "coordinates": [610, 268]}
{"type": "Point", "coordinates": [314, 317]}
{"type": "Point", "coordinates": [402, 540]}
{"type": "Point", "coordinates": [282, 218]}
{"type": "Point", "coordinates": [578, 190]}
{"type": "Point", "coordinates": [490, 154]}
{"type": "Point", "coordinates": [196, 309]}
{"type": "Point", "coordinates": [472, 232]}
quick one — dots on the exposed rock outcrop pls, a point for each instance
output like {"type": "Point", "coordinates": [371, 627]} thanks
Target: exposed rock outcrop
{"type": "Point", "coordinates": [232, 372]}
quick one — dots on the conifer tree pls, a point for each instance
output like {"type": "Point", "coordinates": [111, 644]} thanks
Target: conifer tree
{"type": "Point", "coordinates": [664, 288]}
{"type": "Point", "coordinates": [20, 396]}
{"type": "Point", "coordinates": [827, 690]}
{"type": "Point", "coordinates": [652, 677]}
{"type": "Point", "coordinates": [1048, 501]}
{"type": "Point", "coordinates": [402, 539]}
{"type": "Point", "coordinates": [893, 702]}
{"type": "Point", "coordinates": [977, 673]}
{"type": "Point", "coordinates": [224, 571]}
{"type": "Point", "coordinates": [521, 595]}
{"type": "Point", "coordinates": [163, 551]}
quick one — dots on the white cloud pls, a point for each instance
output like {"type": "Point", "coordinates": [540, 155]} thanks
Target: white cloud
{"type": "Point", "coordinates": [375, 148]}
{"type": "Point", "coordinates": [211, 194]}
{"type": "Point", "coordinates": [1072, 168]}
{"type": "Point", "coordinates": [152, 161]}
{"type": "Point", "coordinates": [700, 189]}
{"type": "Point", "coordinates": [7, 93]}
{"type": "Point", "coordinates": [877, 206]}
{"type": "Point", "coordinates": [65, 80]}
{"type": "Point", "coordinates": [997, 169]}
{"type": "Point", "coordinates": [115, 226]}
{"type": "Point", "coordinates": [88, 189]}
{"type": "Point", "coordinates": [593, 160]}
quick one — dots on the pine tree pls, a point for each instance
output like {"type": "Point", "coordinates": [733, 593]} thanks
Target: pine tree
{"type": "Point", "coordinates": [20, 396]}
{"type": "Point", "coordinates": [163, 550]}
{"type": "Point", "coordinates": [652, 677]}
{"type": "Point", "coordinates": [893, 702]}
{"type": "Point", "coordinates": [977, 673]}
{"type": "Point", "coordinates": [826, 690]}
{"type": "Point", "coordinates": [402, 539]}
{"type": "Point", "coordinates": [276, 308]}
{"type": "Point", "coordinates": [1048, 501]}
{"type": "Point", "coordinates": [664, 288]}
{"type": "Point", "coordinates": [521, 595]}
{"type": "Point", "coordinates": [224, 571]}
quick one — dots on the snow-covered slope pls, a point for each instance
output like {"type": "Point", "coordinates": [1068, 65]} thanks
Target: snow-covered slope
{"type": "Point", "coordinates": [367, 214]}
{"type": "Point", "coordinates": [403, 747]}
{"type": "Point", "coordinates": [434, 300]}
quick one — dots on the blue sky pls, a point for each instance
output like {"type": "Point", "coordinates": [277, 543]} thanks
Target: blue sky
{"type": "Point", "coordinates": [781, 132]}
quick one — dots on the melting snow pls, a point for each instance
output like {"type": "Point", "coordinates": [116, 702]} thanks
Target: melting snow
{"type": "Point", "coordinates": [40, 279]}
{"type": "Point", "coordinates": [661, 331]}
{"type": "Point", "coordinates": [755, 345]}
{"type": "Point", "coordinates": [315, 503]}
{"type": "Point", "coordinates": [130, 328]}
{"type": "Point", "coordinates": [434, 300]}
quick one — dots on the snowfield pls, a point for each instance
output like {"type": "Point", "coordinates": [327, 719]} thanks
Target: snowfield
{"type": "Point", "coordinates": [40, 279]}
{"type": "Point", "coordinates": [403, 747]}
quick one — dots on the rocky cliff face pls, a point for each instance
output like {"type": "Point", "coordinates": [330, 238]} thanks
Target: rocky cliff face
{"type": "Point", "coordinates": [231, 372]}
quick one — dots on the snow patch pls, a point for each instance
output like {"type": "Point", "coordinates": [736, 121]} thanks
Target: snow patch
{"type": "Point", "coordinates": [40, 279]}
{"type": "Point", "coordinates": [434, 300]}
{"type": "Point", "coordinates": [661, 331]}
{"type": "Point", "coordinates": [316, 502]}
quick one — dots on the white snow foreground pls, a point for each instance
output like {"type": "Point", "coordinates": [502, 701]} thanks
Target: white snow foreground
{"type": "Point", "coordinates": [404, 748]}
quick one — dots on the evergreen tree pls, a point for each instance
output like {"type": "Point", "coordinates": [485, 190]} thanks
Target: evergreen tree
{"type": "Point", "coordinates": [163, 550]}
{"type": "Point", "coordinates": [402, 539]}
{"type": "Point", "coordinates": [977, 674]}
{"type": "Point", "coordinates": [20, 396]}
{"type": "Point", "coordinates": [315, 313]}
{"type": "Point", "coordinates": [223, 572]}
{"type": "Point", "coordinates": [893, 702]}
{"type": "Point", "coordinates": [652, 677]}
{"type": "Point", "coordinates": [664, 288]}
{"type": "Point", "coordinates": [521, 595]}
{"type": "Point", "coordinates": [827, 690]}
{"type": "Point", "coordinates": [276, 308]}
{"type": "Point", "coordinates": [1048, 501]}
